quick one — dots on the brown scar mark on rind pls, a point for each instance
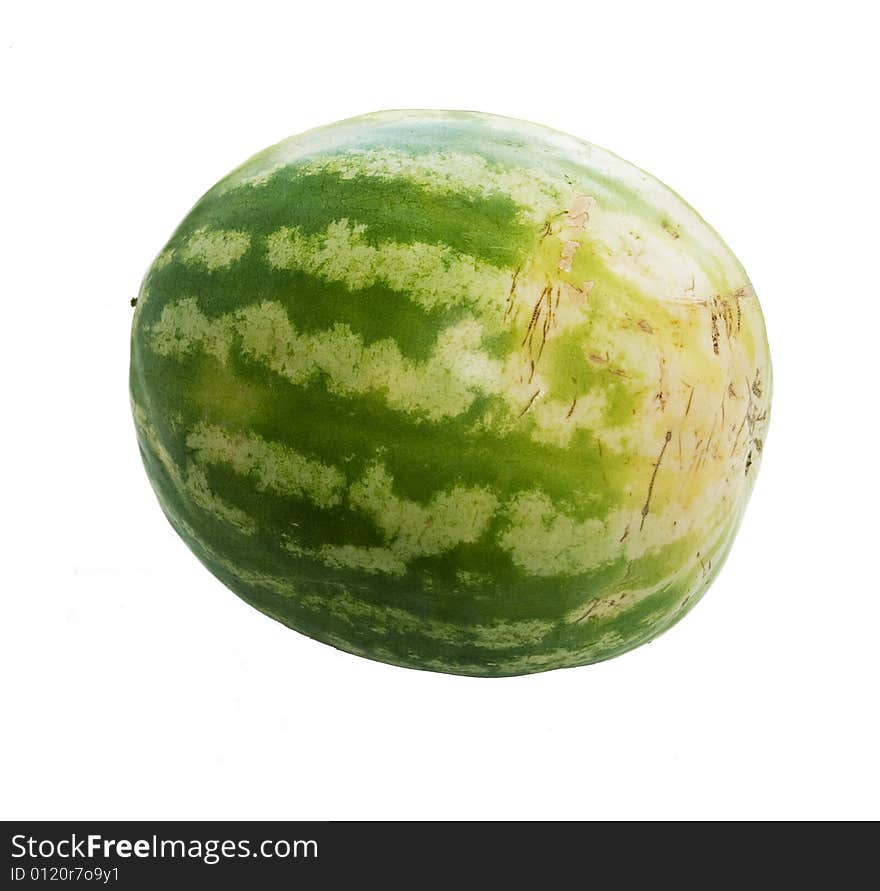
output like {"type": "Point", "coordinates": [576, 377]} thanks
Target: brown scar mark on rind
{"type": "Point", "coordinates": [577, 295]}
{"type": "Point", "coordinates": [660, 395]}
{"type": "Point", "coordinates": [512, 292]}
{"type": "Point", "coordinates": [724, 311]}
{"type": "Point", "coordinates": [647, 505]}
{"type": "Point", "coordinates": [547, 318]}
{"type": "Point", "coordinates": [587, 612]}
{"type": "Point", "coordinates": [546, 327]}
{"type": "Point", "coordinates": [578, 214]}
{"type": "Point", "coordinates": [599, 360]}
{"type": "Point", "coordinates": [625, 534]}
{"type": "Point", "coordinates": [529, 403]}
{"type": "Point", "coordinates": [134, 301]}
{"type": "Point", "coordinates": [703, 564]}
{"type": "Point", "coordinates": [534, 317]}
{"type": "Point", "coordinates": [697, 454]}
{"type": "Point", "coordinates": [566, 258]}
{"type": "Point", "coordinates": [756, 385]}
{"type": "Point", "coordinates": [711, 434]}
{"type": "Point", "coordinates": [601, 461]}
{"type": "Point", "coordinates": [743, 293]}
{"type": "Point", "coordinates": [570, 411]}
{"type": "Point", "coordinates": [715, 333]}
{"type": "Point", "coordinates": [645, 326]}
{"type": "Point", "coordinates": [738, 432]}
{"type": "Point", "coordinates": [687, 411]}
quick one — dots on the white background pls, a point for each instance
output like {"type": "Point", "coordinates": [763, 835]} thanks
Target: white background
{"type": "Point", "coordinates": [136, 686]}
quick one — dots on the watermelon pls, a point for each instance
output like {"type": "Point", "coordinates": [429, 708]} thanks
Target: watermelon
{"type": "Point", "coordinates": [452, 391]}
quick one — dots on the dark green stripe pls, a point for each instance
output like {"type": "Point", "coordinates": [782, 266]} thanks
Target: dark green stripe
{"type": "Point", "coordinates": [424, 457]}
{"type": "Point", "coordinates": [486, 226]}
{"type": "Point", "coordinates": [312, 304]}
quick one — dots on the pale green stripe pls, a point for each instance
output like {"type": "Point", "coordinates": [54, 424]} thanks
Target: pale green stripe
{"type": "Point", "coordinates": [272, 466]}
{"type": "Point", "coordinates": [444, 385]}
{"type": "Point", "coordinates": [433, 276]}
{"type": "Point", "coordinates": [190, 480]}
